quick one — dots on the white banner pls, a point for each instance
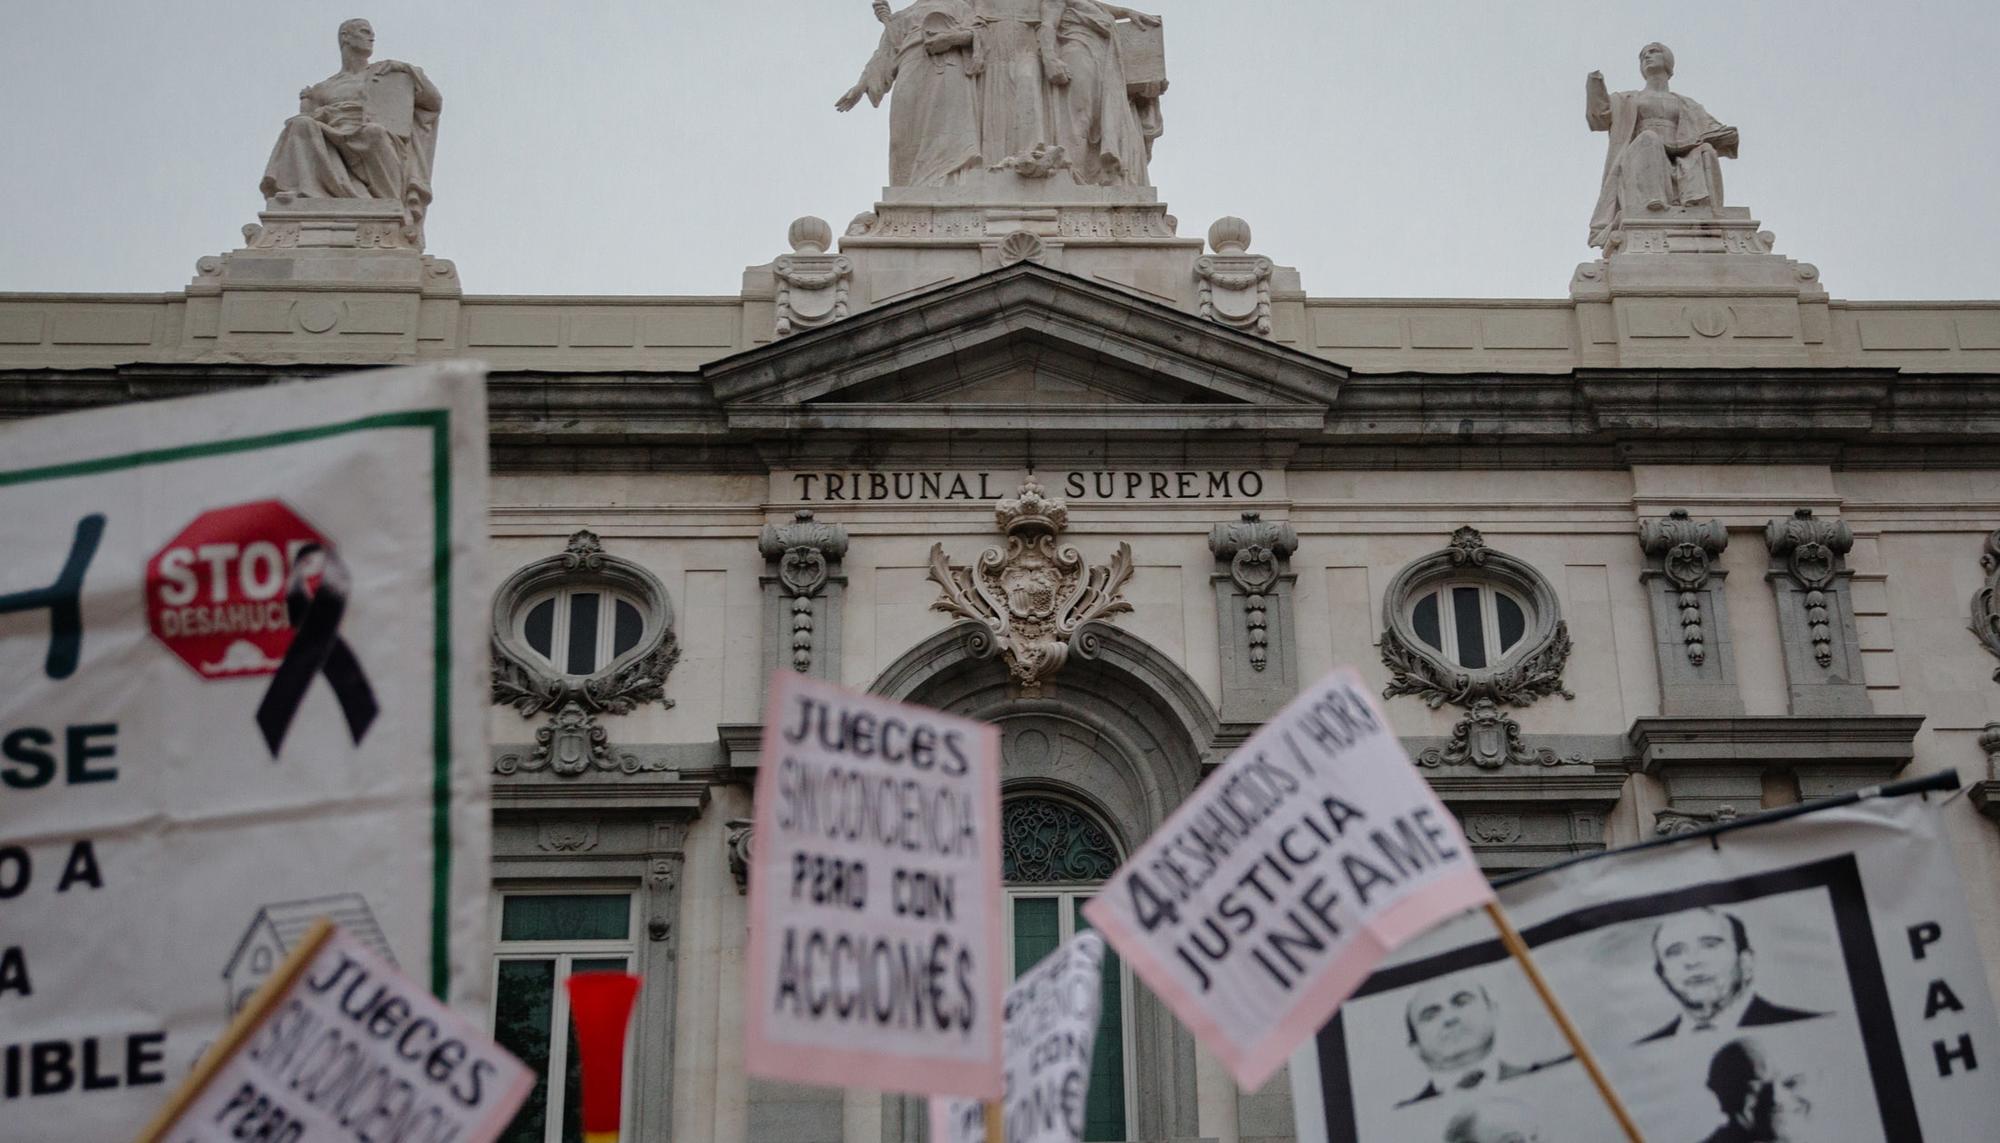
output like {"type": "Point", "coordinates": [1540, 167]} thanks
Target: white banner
{"type": "Point", "coordinates": [1275, 889]}
{"type": "Point", "coordinates": [351, 1049]}
{"type": "Point", "coordinates": [244, 639]}
{"type": "Point", "coordinates": [1051, 1019]}
{"type": "Point", "coordinates": [1814, 978]}
{"type": "Point", "coordinates": [875, 953]}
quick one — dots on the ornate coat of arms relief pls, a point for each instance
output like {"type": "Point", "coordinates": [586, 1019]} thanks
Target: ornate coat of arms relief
{"type": "Point", "coordinates": [1034, 602]}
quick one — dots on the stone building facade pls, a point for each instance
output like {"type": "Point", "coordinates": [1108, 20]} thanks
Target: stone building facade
{"type": "Point", "coordinates": [1694, 540]}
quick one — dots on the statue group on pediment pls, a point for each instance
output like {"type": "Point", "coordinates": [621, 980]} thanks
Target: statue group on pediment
{"type": "Point", "coordinates": [1028, 86]}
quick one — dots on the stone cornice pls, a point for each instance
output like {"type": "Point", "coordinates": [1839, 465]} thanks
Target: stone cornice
{"type": "Point", "coordinates": [1782, 742]}
{"type": "Point", "coordinates": [653, 798]}
{"type": "Point", "coordinates": [1586, 418]}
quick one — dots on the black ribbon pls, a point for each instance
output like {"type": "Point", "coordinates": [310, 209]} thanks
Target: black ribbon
{"type": "Point", "coordinates": [316, 649]}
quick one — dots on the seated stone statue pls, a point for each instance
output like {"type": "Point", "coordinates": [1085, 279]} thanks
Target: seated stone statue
{"type": "Point", "coordinates": [1666, 151]}
{"type": "Point", "coordinates": [366, 132]}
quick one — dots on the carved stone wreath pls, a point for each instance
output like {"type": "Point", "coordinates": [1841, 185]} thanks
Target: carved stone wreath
{"type": "Point", "coordinates": [1034, 602]}
{"type": "Point", "coordinates": [522, 680]}
{"type": "Point", "coordinates": [1533, 670]}
{"type": "Point", "coordinates": [1986, 601]}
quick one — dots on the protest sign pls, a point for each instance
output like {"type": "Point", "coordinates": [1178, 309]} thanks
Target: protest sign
{"type": "Point", "coordinates": [1051, 1027]}
{"type": "Point", "coordinates": [245, 646]}
{"type": "Point", "coordinates": [1810, 978]}
{"type": "Point", "coordinates": [1274, 890]}
{"type": "Point", "coordinates": [875, 953]}
{"type": "Point", "coordinates": [338, 1047]}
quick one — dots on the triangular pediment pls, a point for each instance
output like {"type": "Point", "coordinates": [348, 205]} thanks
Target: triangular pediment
{"type": "Point", "coordinates": [1019, 346]}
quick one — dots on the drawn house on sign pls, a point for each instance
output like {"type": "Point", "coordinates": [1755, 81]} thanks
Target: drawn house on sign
{"type": "Point", "coordinates": [276, 929]}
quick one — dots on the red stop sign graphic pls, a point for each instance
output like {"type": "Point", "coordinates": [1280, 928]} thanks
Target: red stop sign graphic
{"type": "Point", "coordinates": [215, 595]}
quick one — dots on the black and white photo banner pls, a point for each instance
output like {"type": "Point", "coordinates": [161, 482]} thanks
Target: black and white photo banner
{"type": "Point", "coordinates": [1810, 979]}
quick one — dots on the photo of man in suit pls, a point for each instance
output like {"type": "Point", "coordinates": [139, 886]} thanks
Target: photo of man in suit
{"type": "Point", "coordinates": [1453, 1026]}
{"type": "Point", "coordinates": [1761, 1102]}
{"type": "Point", "coordinates": [1703, 956]}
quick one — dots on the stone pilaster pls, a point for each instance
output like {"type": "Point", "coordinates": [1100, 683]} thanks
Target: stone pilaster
{"type": "Point", "coordinates": [1816, 627]}
{"type": "Point", "coordinates": [1254, 589]}
{"type": "Point", "coordinates": [1691, 638]}
{"type": "Point", "coordinates": [803, 591]}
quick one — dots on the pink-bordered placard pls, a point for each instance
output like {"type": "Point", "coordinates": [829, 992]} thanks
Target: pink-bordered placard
{"type": "Point", "coordinates": [1252, 1059]}
{"type": "Point", "coordinates": [919, 1069]}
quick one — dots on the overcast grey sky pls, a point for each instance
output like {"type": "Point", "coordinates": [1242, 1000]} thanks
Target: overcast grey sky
{"type": "Point", "coordinates": [1385, 147]}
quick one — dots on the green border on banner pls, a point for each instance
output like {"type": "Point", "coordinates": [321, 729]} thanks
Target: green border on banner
{"type": "Point", "coordinates": [438, 421]}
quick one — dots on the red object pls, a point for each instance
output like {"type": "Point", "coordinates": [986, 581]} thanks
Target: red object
{"type": "Point", "coordinates": [600, 1004]}
{"type": "Point", "coordinates": [215, 594]}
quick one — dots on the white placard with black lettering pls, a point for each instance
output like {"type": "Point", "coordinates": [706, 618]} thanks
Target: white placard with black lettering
{"type": "Point", "coordinates": [1051, 1017]}
{"type": "Point", "coordinates": [353, 1050]}
{"type": "Point", "coordinates": [244, 643]}
{"type": "Point", "coordinates": [1814, 978]}
{"type": "Point", "coordinates": [1275, 889]}
{"type": "Point", "coordinates": [876, 956]}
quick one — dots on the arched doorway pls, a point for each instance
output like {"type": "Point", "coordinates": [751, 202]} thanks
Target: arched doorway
{"type": "Point", "coordinates": [1114, 742]}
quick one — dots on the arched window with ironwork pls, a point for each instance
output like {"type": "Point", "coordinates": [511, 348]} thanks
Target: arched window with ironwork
{"type": "Point", "coordinates": [1054, 855]}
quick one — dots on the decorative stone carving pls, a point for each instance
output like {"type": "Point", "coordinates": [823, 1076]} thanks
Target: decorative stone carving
{"type": "Point", "coordinates": [1665, 151]}
{"type": "Point", "coordinates": [566, 836]}
{"type": "Point", "coordinates": [521, 678]}
{"type": "Point", "coordinates": [1235, 285]}
{"type": "Point", "coordinates": [1467, 548]}
{"type": "Point", "coordinates": [1986, 602]}
{"type": "Point", "coordinates": [1489, 740]}
{"type": "Point", "coordinates": [1032, 603]}
{"type": "Point", "coordinates": [1255, 551]}
{"type": "Point", "coordinates": [1532, 670]}
{"type": "Point", "coordinates": [812, 284]}
{"type": "Point", "coordinates": [572, 744]}
{"type": "Point", "coordinates": [1041, 161]}
{"type": "Point", "coordinates": [804, 552]}
{"type": "Point", "coordinates": [1686, 550]}
{"type": "Point", "coordinates": [737, 838]}
{"type": "Point", "coordinates": [1679, 823]}
{"type": "Point", "coordinates": [1022, 246]}
{"type": "Point", "coordinates": [1492, 829]}
{"type": "Point", "coordinates": [365, 133]}
{"type": "Point", "coordinates": [1989, 743]}
{"type": "Point", "coordinates": [1812, 549]}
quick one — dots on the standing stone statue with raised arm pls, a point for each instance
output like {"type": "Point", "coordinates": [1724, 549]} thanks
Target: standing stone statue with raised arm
{"type": "Point", "coordinates": [925, 66]}
{"type": "Point", "coordinates": [1665, 151]}
{"type": "Point", "coordinates": [366, 132]}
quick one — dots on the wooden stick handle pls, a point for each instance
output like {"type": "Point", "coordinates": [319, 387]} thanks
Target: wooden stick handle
{"type": "Point", "coordinates": [993, 1133]}
{"type": "Point", "coordinates": [1519, 949]}
{"type": "Point", "coordinates": [260, 1005]}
